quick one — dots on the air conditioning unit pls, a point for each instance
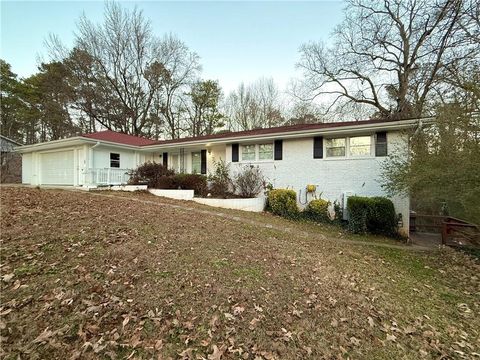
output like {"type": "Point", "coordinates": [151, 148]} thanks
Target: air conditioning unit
{"type": "Point", "coordinates": [346, 195]}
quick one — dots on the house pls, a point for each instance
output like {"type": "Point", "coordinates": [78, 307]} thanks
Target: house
{"type": "Point", "coordinates": [10, 161]}
{"type": "Point", "coordinates": [341, 159]}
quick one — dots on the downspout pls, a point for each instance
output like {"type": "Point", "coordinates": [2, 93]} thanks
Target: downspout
{"type": "Point", "coordinates": [420, 125]}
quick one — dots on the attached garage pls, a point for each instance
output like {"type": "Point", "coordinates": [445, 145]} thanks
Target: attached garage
{"type": "Point", "coordinates": [57, 168]}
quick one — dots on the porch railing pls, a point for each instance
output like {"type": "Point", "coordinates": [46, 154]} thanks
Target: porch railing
{"type": "Point", "coordinates": [453, 231]}
{"type": "Point", "coordinates": [107, 176]}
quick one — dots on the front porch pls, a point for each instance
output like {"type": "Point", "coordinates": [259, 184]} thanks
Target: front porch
{"type": "Point", "coordinates": [106, 176]}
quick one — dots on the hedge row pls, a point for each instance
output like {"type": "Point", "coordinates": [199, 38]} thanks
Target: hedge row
{"type": "Point", "coordinates": [195, 182]}
{"type": "Point", "coordinates": [375, 215]}
{"type": "Point", "coordinates": [283, 202]}
{"type": "Point", "coordinates": [157, 176]}
{"type": "Point", "coordinates": [371, 214]}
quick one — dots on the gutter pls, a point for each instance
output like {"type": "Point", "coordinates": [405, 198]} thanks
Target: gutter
{"type": "Point", "coordinates": [399, 124]}
{"type": "Point", "coordinates": [285, 135]}
{"type": "Point", "coordinates": [77, 140]}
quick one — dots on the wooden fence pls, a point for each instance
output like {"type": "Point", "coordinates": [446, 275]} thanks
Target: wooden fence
{"type": "Point", "coordinates": [453, 231]}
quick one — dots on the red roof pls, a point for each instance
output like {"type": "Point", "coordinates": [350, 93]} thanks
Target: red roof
{"type": "Point", "coordinates": [274, 130]}
{"type": "Point", "coordinates": [120, 138]}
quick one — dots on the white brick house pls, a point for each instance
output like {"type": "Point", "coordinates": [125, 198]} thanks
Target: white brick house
{"type": "Point", "coordinates": [341, 159]}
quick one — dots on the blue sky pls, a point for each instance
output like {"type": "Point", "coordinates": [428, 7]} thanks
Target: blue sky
{"type": "Point", "coordinates": [237, 41]}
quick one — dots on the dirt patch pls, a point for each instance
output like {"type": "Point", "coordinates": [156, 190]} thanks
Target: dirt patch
{"type": "Point", "coordinates": [87, 276]}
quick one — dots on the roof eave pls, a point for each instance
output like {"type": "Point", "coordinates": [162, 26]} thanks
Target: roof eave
{"type": "Point", "coordinates": [73, 141]}
{"type": "Point", "coordinates": [390, 125]}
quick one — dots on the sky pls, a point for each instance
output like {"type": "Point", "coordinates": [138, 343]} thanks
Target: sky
{"type": "Point", "coordinates": [236, 41]}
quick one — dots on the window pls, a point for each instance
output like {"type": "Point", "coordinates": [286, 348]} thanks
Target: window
{"type": "Point", "coordinates": [265, 152]}
{"type": "Point", "coordinates": [196, 162]}
{"type": "Point", "coordinates": [360, 145]}
{"type": "Point", "coordinates": [114, 160]}
{"type": "Point", "coordinates": [335, 147]}
{"type": "Point", "coordinates": [248, 152]}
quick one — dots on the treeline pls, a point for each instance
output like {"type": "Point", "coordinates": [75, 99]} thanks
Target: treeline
{"type": "Point", "coordinates": [120, 76]}
{"type": "Point", "coordinates": [387, 59]}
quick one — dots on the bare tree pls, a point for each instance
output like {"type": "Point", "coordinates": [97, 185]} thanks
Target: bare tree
{"type": "Point", "coordinates": [123, 52]}
{"type": "Point", "coordinates": [388, 55]}
{"type": "Point", "coordinates": [257, 105]}
{"type": "Point", "coordinates": [125, 78]}
{"type": "Point", "coordinates": [237, 107]}
{"type": "Point", "coordinates": [183, 67]}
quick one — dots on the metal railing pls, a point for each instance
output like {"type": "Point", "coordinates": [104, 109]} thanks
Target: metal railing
{"type": "Point", "coordinates": [107, 176]}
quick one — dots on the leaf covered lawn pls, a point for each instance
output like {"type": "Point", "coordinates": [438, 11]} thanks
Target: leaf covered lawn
{"type": "Point", "coordinates": [86, 276]}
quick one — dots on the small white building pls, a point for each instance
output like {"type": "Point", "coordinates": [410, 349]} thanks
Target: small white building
{"type": "Point", "coordinates": [341, 159]}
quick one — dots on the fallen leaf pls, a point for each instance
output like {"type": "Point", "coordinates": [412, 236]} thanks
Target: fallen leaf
{"type": "Point", "coordinates": [391, 337]}
{"type": "Point", "coordinates": [370, 321]}
{"type": "Point", "coordinates": [44, 336]}
{"type": "Point", "coordinates": [355, 341]}
{"type": "Point", "coordinates": [229, 316]}
{"type": "Point", "coordinates": [237, 310]}
{"type": "Point", "coordinates": [217, 353]}
{"type": "Point", "coordinates": [8, 277]}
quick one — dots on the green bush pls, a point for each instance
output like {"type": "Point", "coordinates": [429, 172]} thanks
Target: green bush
{"type": "Point", "coordinates": [195, 182]}
{"type": "Point", "coordinates": [283, 202]}
{"type": "Point", "coordinates": [220, 182]}
{"type": "Point", "coordinates": [317, 210]}
{"type": "Point", "coordinates": [375, 215]}
{"type": "Point", "coordinates": [150, 173]}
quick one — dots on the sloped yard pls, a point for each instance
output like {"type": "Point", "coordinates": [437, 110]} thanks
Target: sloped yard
{"type": "Point", "coordinates": [94, 276]}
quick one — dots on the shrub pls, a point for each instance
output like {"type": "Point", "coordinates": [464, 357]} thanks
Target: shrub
{"type": "Point", "coordinates": [338, 210]}
{"type": "Point", "coordinates": [149, 173]}
{"type": "Point", "coordinates": [195, 182]}
{"type": "Point", "coordinates": [375, 215]}
{"type": "Point", "coordinates": [283, 202]}
{"type": "Point", "coordinates": [249, 181]}
{"type": "Point", "coordinates": [317, 210]}
{"type": "Point", "coordinates": [167, 182]}
{"type": "Point", "coordinates": [220, 183]}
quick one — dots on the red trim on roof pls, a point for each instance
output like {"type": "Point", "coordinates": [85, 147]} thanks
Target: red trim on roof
{"type": "Point", "coordinates": [120, 138]}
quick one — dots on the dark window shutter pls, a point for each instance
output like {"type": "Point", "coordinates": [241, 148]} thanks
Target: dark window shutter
{"type": "Point", "coordinates": [234, 152]}
{"type": "Point", "coordinates": [318, 147]}
{"type": "Point", "coordinates": [278, 150]}
{"type": "Point", "coordinates": [165, 159]}
{"type": "Point", "coordinates": [381, 144]}
{"type": "Point", "coordinates": [203, 164]}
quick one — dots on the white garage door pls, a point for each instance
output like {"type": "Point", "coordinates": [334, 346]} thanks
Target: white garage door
{"type": "Point", "coordinates": [57, 168]}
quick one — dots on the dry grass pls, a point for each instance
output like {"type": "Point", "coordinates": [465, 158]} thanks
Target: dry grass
{"type": "Point", "coordinates": [87, 276]}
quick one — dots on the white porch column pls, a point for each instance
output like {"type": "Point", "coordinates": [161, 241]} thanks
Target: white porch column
{"type": "Point", "coordinates": [90, 166]}
{"type": "Point", "coordinates": [75, 167]}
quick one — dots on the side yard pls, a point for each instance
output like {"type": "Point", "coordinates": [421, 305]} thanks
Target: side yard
{"type": "Point", "coordinates": [95, 276]}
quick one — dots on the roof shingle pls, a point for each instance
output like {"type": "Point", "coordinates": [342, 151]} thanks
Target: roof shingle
{"type": "Point", "coordinates": [120, 138]}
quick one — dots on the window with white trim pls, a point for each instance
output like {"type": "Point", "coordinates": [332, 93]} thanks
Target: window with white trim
{"type": "Point", "coordinates": [335, 147]}
{"type": "Point", "coordinates": [265, 152]}
{"type": "Point", "coordinates": [114, 160]}
{"type": "Point", "coordinates": [248, 153]}
{"type": "Point", "coordinates": [196, 162]}
{"type": "Point", "coordinates": [360, 146]}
